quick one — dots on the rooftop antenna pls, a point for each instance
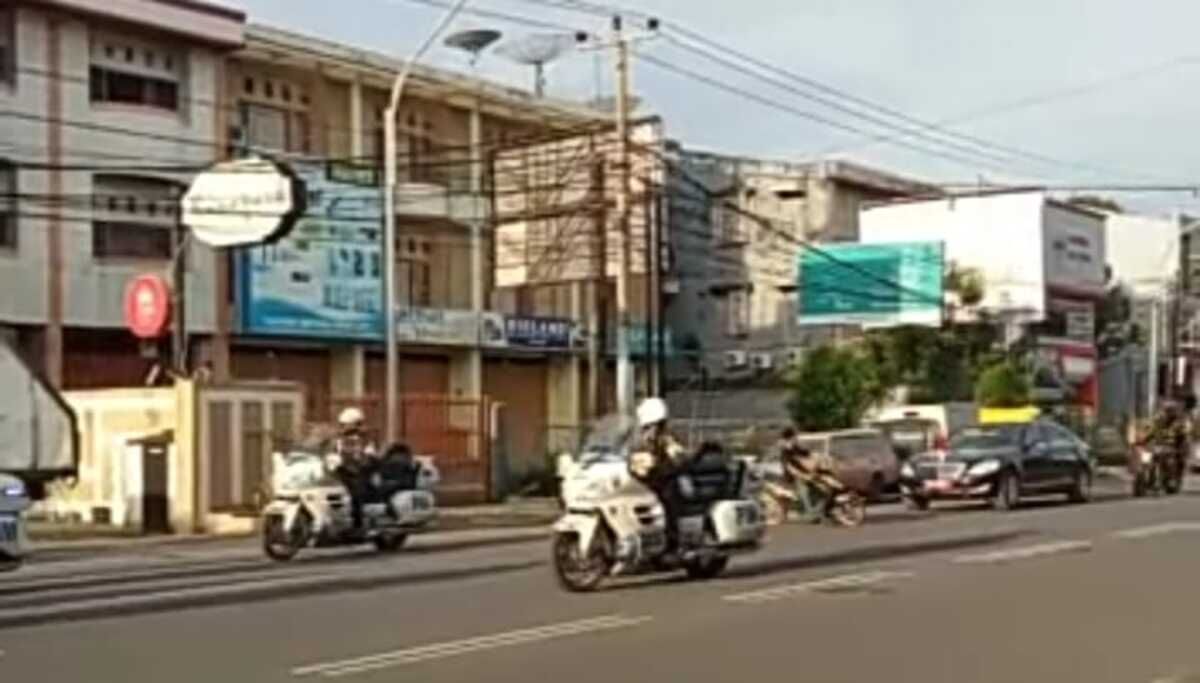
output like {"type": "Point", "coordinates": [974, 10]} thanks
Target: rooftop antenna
{"type": "Point", "coordinates": [538, 50]}
{"type": "Point", "coordinates": [473, 42]}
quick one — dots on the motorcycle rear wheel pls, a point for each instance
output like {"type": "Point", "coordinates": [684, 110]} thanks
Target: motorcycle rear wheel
{"type": "Point", "coordinates": [390, 543]}
{"type": "Point", "coordinates": [574, 572]}
{"type": "Point", "coordinates": [708, 568]}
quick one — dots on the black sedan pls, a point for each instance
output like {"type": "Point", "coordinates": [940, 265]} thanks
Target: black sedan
{"type": "Point", "coordinates": [1001, 463]}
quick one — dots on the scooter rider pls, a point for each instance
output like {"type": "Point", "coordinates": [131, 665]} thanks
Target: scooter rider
{"type": "Point", "coordinates": [1170, 429]}
{"type": "Point", "coordinates": [658, 456]}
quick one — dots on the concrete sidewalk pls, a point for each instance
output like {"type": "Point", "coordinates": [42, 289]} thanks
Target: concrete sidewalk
{"type": "Point", "coordinates": [516, 520]}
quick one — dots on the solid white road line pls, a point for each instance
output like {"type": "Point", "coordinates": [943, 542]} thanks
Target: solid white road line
{"type": "Point", "coordinates": [845, 581]}
{"type": "Point", "coordinates": [1026, 552]}
{"type": "Point", "coordinates": [453, 648]}
{"type": "Point", "coordinates": [1158, 530]}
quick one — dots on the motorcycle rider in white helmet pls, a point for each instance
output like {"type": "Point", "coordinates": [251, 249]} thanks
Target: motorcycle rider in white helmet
{"type": "Point", "coordinates": [657, 457]}
{"type": "Point", "coordinates": [356, 453]}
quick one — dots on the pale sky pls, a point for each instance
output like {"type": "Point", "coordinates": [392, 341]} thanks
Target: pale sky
{"type": "Point", "coordinates": [1117, 78]}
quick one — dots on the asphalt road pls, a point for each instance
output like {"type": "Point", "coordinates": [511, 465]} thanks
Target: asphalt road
{"type": "Point", "coordinates": [1099, 592]}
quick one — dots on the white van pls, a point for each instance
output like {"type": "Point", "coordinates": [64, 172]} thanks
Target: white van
{"type": "Point", "coordinates": [917, 429]}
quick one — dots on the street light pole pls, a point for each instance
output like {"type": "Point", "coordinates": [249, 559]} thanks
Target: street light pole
{"type": "Point", "coordinates": [392, 385]}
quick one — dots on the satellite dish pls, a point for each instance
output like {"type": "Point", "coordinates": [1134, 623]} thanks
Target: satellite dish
{"type": "Point", "coordinates": [473, 42]}
{"type": "Point", "coordinates": [538, 50]}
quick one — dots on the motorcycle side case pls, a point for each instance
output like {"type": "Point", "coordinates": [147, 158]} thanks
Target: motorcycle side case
{"type": "Point", "coordinates": [738, 522]}
{"type": "Point", "coordinates": [414, 508]}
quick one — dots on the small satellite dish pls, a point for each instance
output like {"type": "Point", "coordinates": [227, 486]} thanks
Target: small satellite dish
{"type": "Point", "coordinates": [473, 42]}
{"type": "Point", "coordinates": [538, 50]}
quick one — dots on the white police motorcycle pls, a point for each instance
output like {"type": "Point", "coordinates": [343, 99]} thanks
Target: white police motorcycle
{"type": "Point", "coordinates": [615, 525]}
{"type": "Point", "coordinates": [14, 501]}
{"type": "Point", "coordinates": [312, 507]}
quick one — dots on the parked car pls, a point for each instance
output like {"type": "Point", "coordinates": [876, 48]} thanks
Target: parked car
{"type": "Point", "coordinates": [863, 458]}
{"type": "Point", "coordinates": [1002, 463]}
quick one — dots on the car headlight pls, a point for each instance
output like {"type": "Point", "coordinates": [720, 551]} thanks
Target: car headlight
{"type": "Point", "coordinates": [906, 470]}
{"type": "Point", "coordinates": [13, 491]}
{"type": "Point", "coordinates": [983, 469]}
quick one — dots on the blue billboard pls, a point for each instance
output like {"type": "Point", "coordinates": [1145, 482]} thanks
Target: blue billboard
{"type": "Point", "coordinates": [325, 278]}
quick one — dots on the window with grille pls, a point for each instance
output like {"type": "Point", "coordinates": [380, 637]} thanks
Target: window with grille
{"type": "Point", "coordinates": [738, 304]}
{"type": "Point", "coordinates": [133, 217]}
{"type": "Point", "coordinates": [8, 206]}
{"type": "Point", "coordinates": [275, 129]}
{"type": "Point", "coordinates": [414, 272]}
{"type": "Point", "coordinates": [127, 71]}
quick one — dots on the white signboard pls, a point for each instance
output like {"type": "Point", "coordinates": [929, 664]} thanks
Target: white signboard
{"type": "Point", "coordinates": [1074, 251]}
{"type": "Point", "coordinates": [437, 326]}
{"type": "Point", "coordinates": [248, 201]}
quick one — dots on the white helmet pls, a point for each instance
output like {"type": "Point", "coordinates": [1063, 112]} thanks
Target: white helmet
{"type": "Point", "coordinates": [351, 417]}
{"type": "Point", "coordinates": [651, 411]}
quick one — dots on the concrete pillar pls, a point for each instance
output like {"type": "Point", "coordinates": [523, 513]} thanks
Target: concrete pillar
{"type": "Point", "coordinates": [348, 371]}
{"type": "Point", "coordinates": [356, 119]}
{"type": "Point", "coordinates": [474, 360]}
{"type": "Point", "coordinates": [349, 364]}
{"type": "Point", "coordinates": [53, 351]}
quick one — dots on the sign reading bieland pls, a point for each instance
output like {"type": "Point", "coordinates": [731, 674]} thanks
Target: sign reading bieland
{"type": "Point", "coordinates": [246, 201]}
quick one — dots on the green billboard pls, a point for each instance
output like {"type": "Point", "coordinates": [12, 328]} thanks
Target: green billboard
{"type": "Point", "coordinates": [871, 284]}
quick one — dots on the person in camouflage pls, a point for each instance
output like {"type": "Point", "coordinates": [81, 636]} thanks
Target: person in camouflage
{"type": "Point", "coordinates": [1171, 429]}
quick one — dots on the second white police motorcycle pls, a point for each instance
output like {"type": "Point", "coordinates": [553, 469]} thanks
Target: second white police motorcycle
{"type": "Point", "coordinates": [312, 506]}
{"type": "Point", "coordinates": [615, 525]}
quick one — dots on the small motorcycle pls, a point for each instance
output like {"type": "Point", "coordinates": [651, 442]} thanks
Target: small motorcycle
{"type": "Point", "coordinates": [14, 501]}
{"type": "Point", "coordinates": [841, 506]}
{"type": "Point", "coordinates": [1159, 469]}
{"type": "Point", "coordinates": [312, 507]}
{"type": "Point", "coordinates": [616, 525]}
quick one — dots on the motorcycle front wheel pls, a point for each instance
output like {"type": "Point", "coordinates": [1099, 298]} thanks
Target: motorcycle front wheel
{"type": "Point", "coordinates": [281, 544]}
{"type": "Point", "coordinates": [707, 568]}
{"type": "Point", "coordinates": [575, 572]}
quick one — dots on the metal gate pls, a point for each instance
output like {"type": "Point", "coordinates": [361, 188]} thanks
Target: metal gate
{"type": "Point", "coordinates": [454, 431]}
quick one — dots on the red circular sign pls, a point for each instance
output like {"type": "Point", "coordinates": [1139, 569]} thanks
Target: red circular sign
{"type": "Point", "coordinates": [147, 306]}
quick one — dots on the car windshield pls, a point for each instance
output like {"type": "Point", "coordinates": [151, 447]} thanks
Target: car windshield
{"type": "Point", "coordinates": [978, 438]}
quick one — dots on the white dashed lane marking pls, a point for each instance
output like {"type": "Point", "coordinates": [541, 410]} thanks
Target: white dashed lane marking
{"type": "Point", "coordinates": [846, 582]}
{"type": "Point", "coordinates": [1026, 552]}
{"type": "Point", "coordinates": [1158, 530]}
{"type": "Point", "coordinates": [396, 658]}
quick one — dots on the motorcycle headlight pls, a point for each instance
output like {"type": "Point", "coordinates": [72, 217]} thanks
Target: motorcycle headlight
{"type": "Point", "coordinates": [907, 470]}
{"type": "Point", "coordinates": [1147, 456]}
{"type": "Point", "coordinates": [983, 469]}
{"type": "Point", "coordinates": [16, 490]}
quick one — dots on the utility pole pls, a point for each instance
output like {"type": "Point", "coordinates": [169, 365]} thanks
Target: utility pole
{"type": "Point", "coordinates": [624, 207]}
{"type": "Point", "coordinates": [392, 386]}
{"type": "Point", "coordinates": [624, 366]}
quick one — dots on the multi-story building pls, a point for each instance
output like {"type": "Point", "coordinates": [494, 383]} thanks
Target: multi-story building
{"type": "Point", "coordinates": [105, 111]}
{"type": "Point", "coordinates": [309, 308]}
{"type": "Point", "coordinates": [737, 226]}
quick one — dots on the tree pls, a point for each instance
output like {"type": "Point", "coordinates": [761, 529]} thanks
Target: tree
{"type": "Point", "coordinates": [833, 387]}
{"type": "Point", "coordinates": [1003, 385]}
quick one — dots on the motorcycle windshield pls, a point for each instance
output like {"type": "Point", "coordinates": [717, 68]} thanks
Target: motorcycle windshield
{"type": "Point", "coordinates": [300, 469]}
{"type": "Point", "coordinates": [609, 438]}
